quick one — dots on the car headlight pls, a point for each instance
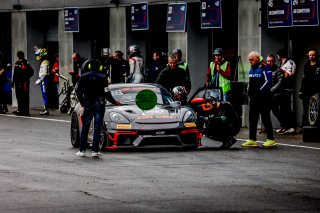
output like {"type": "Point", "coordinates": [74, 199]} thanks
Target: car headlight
{"type": "Point", "coordinates": [189, 116]}
{"type": "Point", "coordinates": [118, 118]}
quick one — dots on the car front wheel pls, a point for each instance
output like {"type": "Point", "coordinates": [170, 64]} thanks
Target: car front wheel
{"type": "Point", "coordinates": [74, 131]}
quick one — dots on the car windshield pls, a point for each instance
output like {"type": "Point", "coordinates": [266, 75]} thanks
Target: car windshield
{"type": "Point", "coordinates": [127, 95]}
{"type": "Point", "coordinates": [207, 93]}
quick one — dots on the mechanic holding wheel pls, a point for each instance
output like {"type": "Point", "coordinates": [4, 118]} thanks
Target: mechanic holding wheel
{"type": "Point", "coordinates": [92, 91]}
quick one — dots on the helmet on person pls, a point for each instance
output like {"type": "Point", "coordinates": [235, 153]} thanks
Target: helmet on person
{"type": "Point", "coordinates": [218, 51]}
{"type": "Point", "coordinates": [177, 51]}
{"type": "Point", "coordinates": [179, 93]}
{"type": "Point", "coordinates": [91, 64]}
{"type": "Point", "coordinates": [40, 53]}
{"type": "Point", "coordinates": [133, 50]}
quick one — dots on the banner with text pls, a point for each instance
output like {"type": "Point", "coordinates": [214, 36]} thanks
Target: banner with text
{"type": "Point", "coordinates": [176, 17]}
{"type": "Point", "coordinates": [71, 19]}
{"type": "Point", "coordinates": [279, 13]}
{"type": "Point", "coordinates": [139, 16]}
{"type": "Point", "coordinates": [211, 14]}
{"type": "Point", "coordinates": [305, 13]}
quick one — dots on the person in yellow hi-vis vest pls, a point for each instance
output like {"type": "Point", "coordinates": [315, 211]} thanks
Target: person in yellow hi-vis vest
{"type": "Point", "coordinates": [219, 72]}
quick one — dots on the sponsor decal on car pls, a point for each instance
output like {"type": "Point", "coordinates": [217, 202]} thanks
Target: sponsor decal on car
{"type": "Point", "coordinates": [190, 124]}
{"type": "Point", "coordinates": [123, 126]}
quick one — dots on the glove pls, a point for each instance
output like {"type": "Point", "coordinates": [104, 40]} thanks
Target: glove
{"type": "Point", "coordinates": [223, 118]}
{"type": "Point", "coordinates": [38, 82]}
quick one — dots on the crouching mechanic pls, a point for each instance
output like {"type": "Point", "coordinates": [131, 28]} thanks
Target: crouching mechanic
{"type": "Point", "coordinates": [92, 91]}
{"type": "Point", "coordinates": [223, 123]}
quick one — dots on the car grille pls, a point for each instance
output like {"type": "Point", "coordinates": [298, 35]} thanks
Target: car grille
{"type": "Point", "coordinates": [163, 141]}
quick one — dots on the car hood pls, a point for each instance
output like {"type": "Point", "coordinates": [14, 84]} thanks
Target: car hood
{"type": "Point", "coordinates": [159, 114]}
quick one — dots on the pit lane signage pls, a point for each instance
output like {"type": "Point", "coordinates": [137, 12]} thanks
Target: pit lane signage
{"type": "Point", "coordinates": [176, 17]}
{"type": "Point", "coordinates": [279, 13]}
{"type": "Point", "coordinates": [139, 16]}
{"type": "Point", "coordinates": [71, 19]}
{"type": "Point", "coordinates": [305, 13]}
{"type": "Point", "coordinates": [211, 14]}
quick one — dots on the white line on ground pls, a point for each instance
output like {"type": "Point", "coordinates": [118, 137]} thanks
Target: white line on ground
{"type": "Point", "coordinates": [283, 144]}
{"type": "Point", "coordinates": [36, 118]}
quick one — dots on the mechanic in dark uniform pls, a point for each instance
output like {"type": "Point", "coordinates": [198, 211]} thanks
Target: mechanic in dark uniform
{"type": "Point", "coordinates": [21, 80]}
{"type": "Point", "coordinates": [92, 90]}
{"type": "Point", "coordinates": [260, 82]}
{"type": "Point", "coordinates": [223, 124]}
{"type": "Point", "coordinates": [173, 76]}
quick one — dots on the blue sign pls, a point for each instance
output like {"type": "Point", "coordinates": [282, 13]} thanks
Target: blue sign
{"type": "Point", "coordinates": [176, 17]}
{"type": "Point", "coordinates": [71, 19]}
{"type": "Point", "coordinates": [139, 16]}
{"type": "Point", "coordinates": [211, 14]}
{"type": "Point", "coordinates": [305, 13]}
{"type": "Point", "coordinates": [279, 13]}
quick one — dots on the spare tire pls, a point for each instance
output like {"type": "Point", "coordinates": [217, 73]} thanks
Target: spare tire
{"type": "Point", "coordinates": [314, 110]}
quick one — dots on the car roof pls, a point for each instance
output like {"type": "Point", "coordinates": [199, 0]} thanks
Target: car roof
{"type": "Point", "coordinates": [133, 85]}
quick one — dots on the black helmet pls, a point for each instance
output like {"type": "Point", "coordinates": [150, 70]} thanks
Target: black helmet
{"type": "Point", "coordinates": [177, 51]}
{"type": "Point", "coordinates": [91, 64]}
{"type": "Point", "coordinates": [133, 50]}
{"type": "Point", "coordinates": [218, 51]}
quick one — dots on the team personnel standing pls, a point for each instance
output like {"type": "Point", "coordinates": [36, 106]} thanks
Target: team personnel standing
{"type": "Point", "coordinates": [181, 64]}
{"type": "Point", "coordinates": [219, 72]}
{"type": "Point", "coordinates": [173, 76]}
{"type": "Point", "coordinates": [288, 68]}
{"type": "Point", "coordinates": [310, 82]}
{"type": "Point", "coordinates": [76, 71]}
{"type": "Point", "coordinates": [44, 71]}
{"type": "Point", "coordinates": [156, 67]}
{"type": "Point", "coordinates": [260, 81]}
{"type": "Point", "coordinates": [21, 81]}
{"type": "Point", "coordinates": [92, 91]}
{"type": "Point", "coordinates": [276, 90]}
{"type": "Point", "coordinates": [117, 68]}
{"type": "Point", "coordinates": [136, 65]}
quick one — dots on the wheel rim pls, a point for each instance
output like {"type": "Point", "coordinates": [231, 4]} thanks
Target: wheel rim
{"type": "Point", "coordinates": [74, 129]}
{"type": "Point", "coordinates": [313, 111]}
{"type": "Point", "coordinates": [102, 138]}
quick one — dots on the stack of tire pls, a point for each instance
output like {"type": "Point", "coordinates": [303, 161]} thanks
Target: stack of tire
{"type": "Point", "coordinates": [311, 133]}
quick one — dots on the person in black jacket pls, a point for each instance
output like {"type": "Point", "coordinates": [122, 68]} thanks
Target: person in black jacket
{"type": "Point", "coordinates": [92, 90]}
{"type": "Point", "coordinates": [21, 80]}
{"type": "Point", "coordinates": [310, 82]}
{"type": "Point", "coordinates": [173, 76]}
{"type": "Point", "coordinates": [223, 124]}
{"type": "Point", "coordinates": [276, 90]}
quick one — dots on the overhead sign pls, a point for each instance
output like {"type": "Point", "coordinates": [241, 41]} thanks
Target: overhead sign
{"type": "Point", "coordinates": [71, 19]}
{"type": "Point", "coordinates": [211, 16]}
{"type": "Point", "coordinates": [305, 13]}
{"type": "Point", "coordinates": [279, 13]}
{"type": "Point", "coordinates": [176, 17]}
{"type": "Point", "coordinates": [139, 16]}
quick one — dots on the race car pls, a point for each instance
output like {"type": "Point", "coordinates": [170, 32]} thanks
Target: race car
{"type": "Point", "coordinates": [168, 124]}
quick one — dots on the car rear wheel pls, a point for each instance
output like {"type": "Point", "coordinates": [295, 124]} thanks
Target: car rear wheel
{"type": "Point", "coordinates": [314, 110]}
{"type": "Point", "coordinates": [74, 131]}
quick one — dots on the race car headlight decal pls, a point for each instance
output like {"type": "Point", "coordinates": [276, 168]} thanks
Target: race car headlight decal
{"type": "Point", "coordinates": [118, 118]}
{"type": "Point", "coordinates": [189, 117]}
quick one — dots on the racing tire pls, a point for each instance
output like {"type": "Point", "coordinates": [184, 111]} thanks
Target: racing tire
{"type": "Point", "coordinates": [314, 110]}
{"type": "Point", "coordinates": [311, 134]}
{"type": "Point", "coordinates": [103, 139]}
{"type": "Point", "coordinates": [74, 131]}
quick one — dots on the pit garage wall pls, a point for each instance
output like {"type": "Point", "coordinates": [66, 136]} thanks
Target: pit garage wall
{"type": "Point", "coordinates": [249, 38]}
